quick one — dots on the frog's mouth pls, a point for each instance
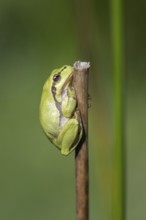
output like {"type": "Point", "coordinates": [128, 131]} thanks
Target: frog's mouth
{"type": "Point", "coordinates": [68, 81]}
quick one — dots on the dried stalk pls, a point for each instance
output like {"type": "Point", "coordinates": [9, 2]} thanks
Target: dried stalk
{"type": "Point", "coordinates": [81, 154]}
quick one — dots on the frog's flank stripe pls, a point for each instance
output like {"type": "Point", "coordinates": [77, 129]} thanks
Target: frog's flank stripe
{"type": "Point", "coordinates": [58, 104]}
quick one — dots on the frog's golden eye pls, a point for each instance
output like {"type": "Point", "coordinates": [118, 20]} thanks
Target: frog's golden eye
{"type": "Point", "coordinates": [56, 77]}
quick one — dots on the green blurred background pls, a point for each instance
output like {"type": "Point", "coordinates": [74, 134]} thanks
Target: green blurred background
{"type": "Point", "coordinates": [36, 182]}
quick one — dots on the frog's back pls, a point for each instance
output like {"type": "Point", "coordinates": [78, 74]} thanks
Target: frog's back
{"type": "Point", "coordinates": [49, 115]}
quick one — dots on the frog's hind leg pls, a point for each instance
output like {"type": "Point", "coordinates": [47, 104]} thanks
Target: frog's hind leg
{"type": "Point", "coordinates": [69, 136]}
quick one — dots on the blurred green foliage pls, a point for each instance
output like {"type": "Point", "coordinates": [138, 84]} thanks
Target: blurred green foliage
{"type": "Point", "coordinates": [36, 37]}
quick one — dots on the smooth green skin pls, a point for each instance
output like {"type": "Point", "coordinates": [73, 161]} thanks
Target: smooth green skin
{"type": "Point", "coordinates": [59, 116]}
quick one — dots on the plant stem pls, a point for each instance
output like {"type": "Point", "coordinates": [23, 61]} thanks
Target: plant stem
{"type": "Point", "coordinates": [81, 154]}
{"type": "Point", "coordinates": [118, 197]}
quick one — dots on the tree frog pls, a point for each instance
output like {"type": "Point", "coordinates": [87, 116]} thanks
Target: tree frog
{"type": "Point", "coordinates": [59, 114]}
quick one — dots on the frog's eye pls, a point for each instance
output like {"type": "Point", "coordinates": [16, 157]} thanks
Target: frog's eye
{"type": "Point", "coordinates": [56, 77]}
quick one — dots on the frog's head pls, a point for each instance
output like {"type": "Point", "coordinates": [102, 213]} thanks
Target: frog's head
{"type": "Point", "coordinates": [58, 81]}
{"type": "Point", "coordinates": [61, 78]}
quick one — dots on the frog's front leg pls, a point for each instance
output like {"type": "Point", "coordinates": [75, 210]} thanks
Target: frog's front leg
{"type": "Point", "coordinates": [69, 136]}
{"type": "Point", "coordinates": [69, 102]}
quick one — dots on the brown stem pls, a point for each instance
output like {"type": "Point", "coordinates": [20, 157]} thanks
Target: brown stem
{"type": "Point", "coordinates": [81, 157]}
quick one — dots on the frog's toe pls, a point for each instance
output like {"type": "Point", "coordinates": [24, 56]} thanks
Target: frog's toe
{"type": "Point", "coordinates": [64, 152]}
